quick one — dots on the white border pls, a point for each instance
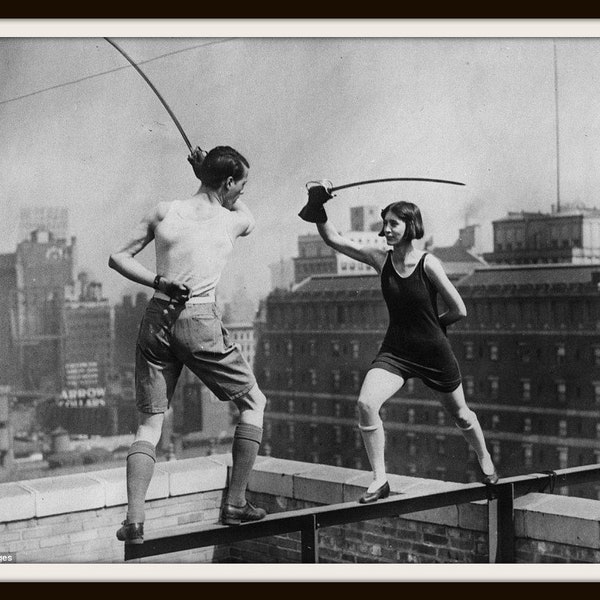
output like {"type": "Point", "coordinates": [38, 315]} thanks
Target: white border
{"type": "Point", "coordinates": [478, 28]}
{"type": "Point", "coordinates": [305, 28]}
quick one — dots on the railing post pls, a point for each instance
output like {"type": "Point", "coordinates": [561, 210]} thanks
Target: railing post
{"type": "Point", "coordinates": [501, 525]}
{"type": "Point", "coordinates": [310, 540]}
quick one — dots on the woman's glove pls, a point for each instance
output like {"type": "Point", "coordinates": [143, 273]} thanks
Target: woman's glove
{"type": "Point", "coordinates": [313, 211]}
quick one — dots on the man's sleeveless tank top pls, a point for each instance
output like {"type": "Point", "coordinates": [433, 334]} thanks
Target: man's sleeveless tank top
{"type": "Point", "coordinates": [193, 252]}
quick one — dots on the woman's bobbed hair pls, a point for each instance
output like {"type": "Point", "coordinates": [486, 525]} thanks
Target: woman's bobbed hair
{"type": "Point", "coordinates": [411, 215]}
{"type": "Point", "coordinates": [219, 164]}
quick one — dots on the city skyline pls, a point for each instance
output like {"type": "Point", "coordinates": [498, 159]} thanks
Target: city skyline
{"type": "Point", "coordinates": [477, 110]}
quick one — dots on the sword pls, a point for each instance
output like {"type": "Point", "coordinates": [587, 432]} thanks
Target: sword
{"type": "Point", "coordinates": [172, 115]}
{"type": "Point", "coordinates": [329, 186]}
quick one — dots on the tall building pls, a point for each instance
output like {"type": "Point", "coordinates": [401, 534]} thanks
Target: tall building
{"type": "Point", "coordinates": [87, 340]}
{"type": "Point", "coordinates": [8, 348]}
{"type": "Point", "coordinates": [529, 352]}
{"type": "Point", "coordinates": [571, 235]}
{"type": "Point", "coordinates": [54, 219]}
{"type": "Point", "coordinates": [43, 269]}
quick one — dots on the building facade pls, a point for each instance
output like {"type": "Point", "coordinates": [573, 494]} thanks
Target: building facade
{"type": "Point", "coordinates": [568, 235]}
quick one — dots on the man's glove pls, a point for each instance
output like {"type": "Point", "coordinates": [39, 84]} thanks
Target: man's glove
{"type": "Point", "coordinates": [314, 212]}
{"type": "Point", "coordinates": [179, 292]}
{"type": "Point", "coordinates": [196, 158]}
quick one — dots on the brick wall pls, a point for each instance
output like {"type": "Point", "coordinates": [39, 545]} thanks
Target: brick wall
{"type": "Point", "coordinates": [73, 518]}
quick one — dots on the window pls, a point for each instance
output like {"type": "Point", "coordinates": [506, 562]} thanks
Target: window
{"type": "Point", "coordinates": [440, 442]}
{"type": "Point", "coordinates": [441, 417]}
{"type": "Point", "coordinates": [561, 353]}
{"type": "Point", "coordinates": [335, 348]}
{"type": "Point", "coordinates": [291, 407]}
{"type": "Point", "coordinates": [469, 350]}
{"type": "Point", "coordinates": [337, 432]}
{"type": "Point", "coordinates": [596, 356]}
{"type": "Point", "coordinates": [493, 386]}
{"type": "Point", "coordinates": [561, 391]}
{"type": "Point", "coordinates": [312, 347]}
{"type": "Point", "coordinates": [291, 432]}
{"type": "Point", "coordinates": [493, 350]}
{"type": "Point", "coordinates": [469, 386]}
{"type": "Point", "coordinates": [528, 455]}
{"type": "Point", "coordinates": [314, 456]}
{"type": "Point", "coordinates": [355, 381]}
{"type": "Point", "coordinates": [355, 349]}
{"type": "Point", "coordinates": [357, 463]}
{"type": "Point", "coordinates": [411, 416]}
{"type": "Point", "coordinates": [314, 408]}
{"type": "Point", "coordinates": [524, 352]}
{"type": "Point", "coordinates": [314, 435]}
{"type": "Point", "coordinates": [410, 386]}
{"type": "Point", "coordinates": [267, 375]}
{"type": "Point", "coordinates": [358, 443]}
{"type": "Point", "coordinates": [495, 421]}
{"type": "Point", "coordinates": [412, 445]}
{"type": "Point", "coordinates": [495, 451]}
{"type": "Point", "coordinates": [525, 389]}
{"type": "Point", "coordinates": [527, 425]}
{"type": "Point", "coordinates": [289, 377]}
{"type": "Point", "coordinates": [562, 428]}
{"type": "Point", "coordinates": [289, 347]}
{"type": "Point", "coordinates": [337, 409]}
{"type": "Point", "coordinates": [313, 377]}
{"type": "Point", "coordinates": [267, 348]}
{"type": "Point", "coordinates": [335, 379]}
{"type": "Point", "coordinates": [563, 457]}
{"type": "Point", "coordinates": [596, 385]}
{"type": "Point", "coordinates": [337, 459]}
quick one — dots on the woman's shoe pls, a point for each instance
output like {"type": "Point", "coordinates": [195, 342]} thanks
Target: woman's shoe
{"type": "Point", "coordinates": [490, 479]}
{"type": "Point", "coordinates": [380, 492]}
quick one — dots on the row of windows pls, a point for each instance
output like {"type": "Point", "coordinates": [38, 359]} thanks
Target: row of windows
{"type": "Point", "coordinates": [525, 353]}
{"type": "Point", "coordinates": [532, 310]}
{"type": "Point", "coordinates": [556, 390]}
{"type": "Point", "coordinates": [472, 350]}
{"type": "Point", "coordinates": [330, 314]}
{"type": "Point", "coordinates": [413, 445]}
{"type": "Point", "coordinates": [528, 425]}
{"type": "Point", "coordinates": [312, 347]}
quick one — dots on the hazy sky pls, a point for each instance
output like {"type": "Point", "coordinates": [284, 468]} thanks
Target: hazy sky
{"type": "Point", "coordinates": [477, 110]}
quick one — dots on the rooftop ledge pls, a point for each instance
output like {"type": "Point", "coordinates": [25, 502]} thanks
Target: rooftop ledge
{"type": "Point", "coordinates": [544, 517]}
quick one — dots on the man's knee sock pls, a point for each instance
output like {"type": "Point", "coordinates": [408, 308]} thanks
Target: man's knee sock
{"type": "Point", "coordinates": [374, 440]}
{"type": "Point", "coordinates": [140, 468]}
{"type": "Point", "coordinates": [246, 442]}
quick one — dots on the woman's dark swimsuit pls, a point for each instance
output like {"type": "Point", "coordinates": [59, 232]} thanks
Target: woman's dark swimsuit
{"type": "Point", "coordinates": [415, 344]}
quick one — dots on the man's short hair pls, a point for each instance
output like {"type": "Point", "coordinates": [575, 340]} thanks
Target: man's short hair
{"type": "Point", "coordinates": [220, 163]}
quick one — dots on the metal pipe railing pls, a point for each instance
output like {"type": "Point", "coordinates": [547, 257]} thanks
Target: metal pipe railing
{"type": "Point", "coordinates": [308, 521]}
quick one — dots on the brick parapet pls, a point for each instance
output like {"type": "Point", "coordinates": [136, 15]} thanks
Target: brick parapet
{"type": "Point", "coordinates": [73, 518]}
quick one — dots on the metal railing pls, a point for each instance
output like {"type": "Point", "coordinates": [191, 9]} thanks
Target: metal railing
{"type": "Point", "coordinates": [501, 526]}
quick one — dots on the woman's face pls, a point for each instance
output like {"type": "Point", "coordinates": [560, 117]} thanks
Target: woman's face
{"type": "Point", "coordinates": [394, 228]}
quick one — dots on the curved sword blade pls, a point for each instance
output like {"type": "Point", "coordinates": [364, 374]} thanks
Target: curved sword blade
{"type": "Point", "coordinates": [172, 115]}
{"type": "Point", "coordinates": [369, 181]}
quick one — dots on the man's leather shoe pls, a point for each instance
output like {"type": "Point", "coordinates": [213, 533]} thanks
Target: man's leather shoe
{"type": "Point", "coordinates": [131, 533]}
{"type": "Point", "coordinates": [380, 492]}
{"type": "Point", "coordinates": [234, 515]}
